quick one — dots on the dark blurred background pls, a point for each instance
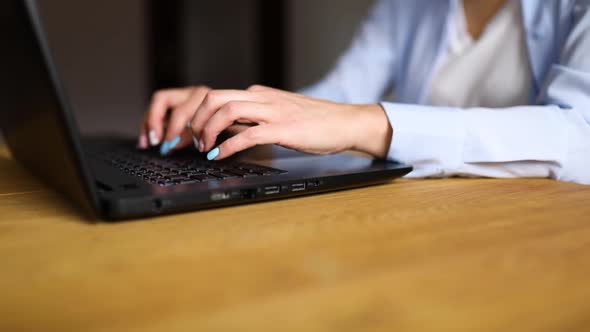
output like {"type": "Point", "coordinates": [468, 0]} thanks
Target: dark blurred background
{"type": "Point", "coordinates": [112, 54]}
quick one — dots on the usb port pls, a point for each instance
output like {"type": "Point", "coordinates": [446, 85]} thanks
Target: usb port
{"type": "Point", "coordinates": [298, 187]}
{"type": "Point", "coordinates": [272, 190]}
{"type": "Point", "coordinates": [313, 184]}
{"type": "Point", "coordinates": [220, 196]}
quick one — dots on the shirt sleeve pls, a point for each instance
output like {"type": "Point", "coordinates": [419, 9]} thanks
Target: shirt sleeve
{"type": "Point", "coordinates": [551, 139]}
{"type": "Point", "coordinates": [371, 54]}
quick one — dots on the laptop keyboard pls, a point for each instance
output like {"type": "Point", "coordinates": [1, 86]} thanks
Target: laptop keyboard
{"type": "Point", "coordinates": [171, 171]}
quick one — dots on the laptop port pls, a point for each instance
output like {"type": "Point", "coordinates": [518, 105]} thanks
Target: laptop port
{"type": "Point", "coordinates": [272, 190]}
{"type": "Point", "coordinates": [249, 193]}
{"type": "Point", "coordinates": [313, 184]}
{"type": "Point", "coordinates": [158, 205]}
{"type": "Point", "coordinates": [298, 187]}
{"type": "Point", "coordinates": [220, 196]}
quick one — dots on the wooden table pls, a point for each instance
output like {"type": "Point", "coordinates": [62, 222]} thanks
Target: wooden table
{"type": "Point", "coordinates": [427, 255]}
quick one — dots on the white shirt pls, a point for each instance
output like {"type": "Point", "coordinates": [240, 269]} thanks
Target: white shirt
{"type": "Point", "coordinates": [401, 46]}
{"type": "Point", "coordinates": [493, 71]}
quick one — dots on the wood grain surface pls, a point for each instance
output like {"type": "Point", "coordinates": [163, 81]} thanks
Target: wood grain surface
{"type": "Point", "coordinates": [413, 255]}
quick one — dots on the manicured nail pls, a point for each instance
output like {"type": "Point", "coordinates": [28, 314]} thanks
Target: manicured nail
{"type": "Point", "coordinates": [143, 142]}
{"type": "Point", "coordinates": [154, 140]}
{"type": "Point", "coordinates": [174, 142]}
{"type": "Point", "coordinates": [164, 148]}
{"type": "Point", "coordinates": [213, 154]}
{"type": "Point", "coordinates": [196, 141]}
{"type": "Point", "coordinates": [201, 147]}
{"type": "Point", "coordinates": [167, 146]}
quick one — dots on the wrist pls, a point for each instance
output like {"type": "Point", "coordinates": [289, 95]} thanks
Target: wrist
{"type": "Point", "coordinates": [371, 130]}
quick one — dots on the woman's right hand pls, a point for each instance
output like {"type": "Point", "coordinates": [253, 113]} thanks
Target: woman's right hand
{"type": "Point", "coordinates": [165, 123]}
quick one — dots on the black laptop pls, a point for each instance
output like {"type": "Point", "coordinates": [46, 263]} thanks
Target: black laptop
{"type": "Point", "coordinates": [113, 180]}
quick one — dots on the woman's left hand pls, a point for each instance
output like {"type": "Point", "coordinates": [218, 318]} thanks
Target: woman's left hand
{"type": "Point", "coordinates": [289, 120]}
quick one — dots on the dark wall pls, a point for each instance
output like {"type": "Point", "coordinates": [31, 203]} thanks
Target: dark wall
{"type": "Point", "coordinates": [221, 44]}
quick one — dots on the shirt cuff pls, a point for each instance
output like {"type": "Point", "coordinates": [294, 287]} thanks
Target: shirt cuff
{"type": "Point", "coordinates": [429, 139]}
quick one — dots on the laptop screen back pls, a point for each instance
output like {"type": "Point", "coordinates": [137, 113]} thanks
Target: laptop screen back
{"type": "Point", "coordinates": [34, 114]}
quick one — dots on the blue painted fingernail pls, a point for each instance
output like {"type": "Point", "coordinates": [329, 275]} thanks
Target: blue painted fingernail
{"type": "Point", "coordinates": [169, 145]}
{"type": "Point", "coordinates": [174, 142]}
{"type": "Point", "coordinates": [164, 148]}
{"type": "Point", "coordinates": [213, 154]}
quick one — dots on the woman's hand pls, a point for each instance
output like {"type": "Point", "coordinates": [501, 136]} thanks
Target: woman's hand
{"type": "Point", "coordinates": [166, 121]}
{"type": "Point", "coordinates": [287, 119]}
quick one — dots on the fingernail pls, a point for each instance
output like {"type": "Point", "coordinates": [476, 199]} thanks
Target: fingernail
{"type": "Point", "coordinates": [213, 154]}
{"type": "Point", "coordinates": [167, 146]}
{"type": "Point", "coordinates": [174, 142]}
{"type": "Point", "coordinates": [143, 142]}
{"type": "Point", "coordinates": [188, 125]}
{"type": "Point", "coordinates": [154, 140]}
{"type": "Point", "coordinates": [201, 146]}
{"type": "Point", "coordinates": [196, 141]}
{"type": "Point", "coordinates": [164, 148]}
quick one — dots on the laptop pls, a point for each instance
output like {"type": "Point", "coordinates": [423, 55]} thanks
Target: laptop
{"type": "Point", "coordinates": [110, 179]}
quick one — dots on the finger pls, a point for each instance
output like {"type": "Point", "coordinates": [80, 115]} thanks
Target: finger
{"type": "Point", "coordinates": [161, 102]}
{"type": "Point", "coordinates": [183, 113]}
{"type": "Point", "coordinates": [185, 138]}
{"type": "Point", "coordinates": [237, 128]}
{"type": "Point", "coordinates": [258, 135]}
{"type": "Point", "coordinates": [214, 100]}
{"type": "Point", "coordinates": [143, 141]}
{"type": "Point", "coordinates": [230, 113]}
{"type": "Point", "coordinates": [231, 131]}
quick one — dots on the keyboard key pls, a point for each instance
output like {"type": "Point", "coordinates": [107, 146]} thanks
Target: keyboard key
{"type": "Point", "coordinates": [200, 177]}
{"type": "Point", "coordinates": [238, 172]}
{"type": "Point", "coordinates": [190, 181]}
{"type": "Point", "coordinates": [223, 175]}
